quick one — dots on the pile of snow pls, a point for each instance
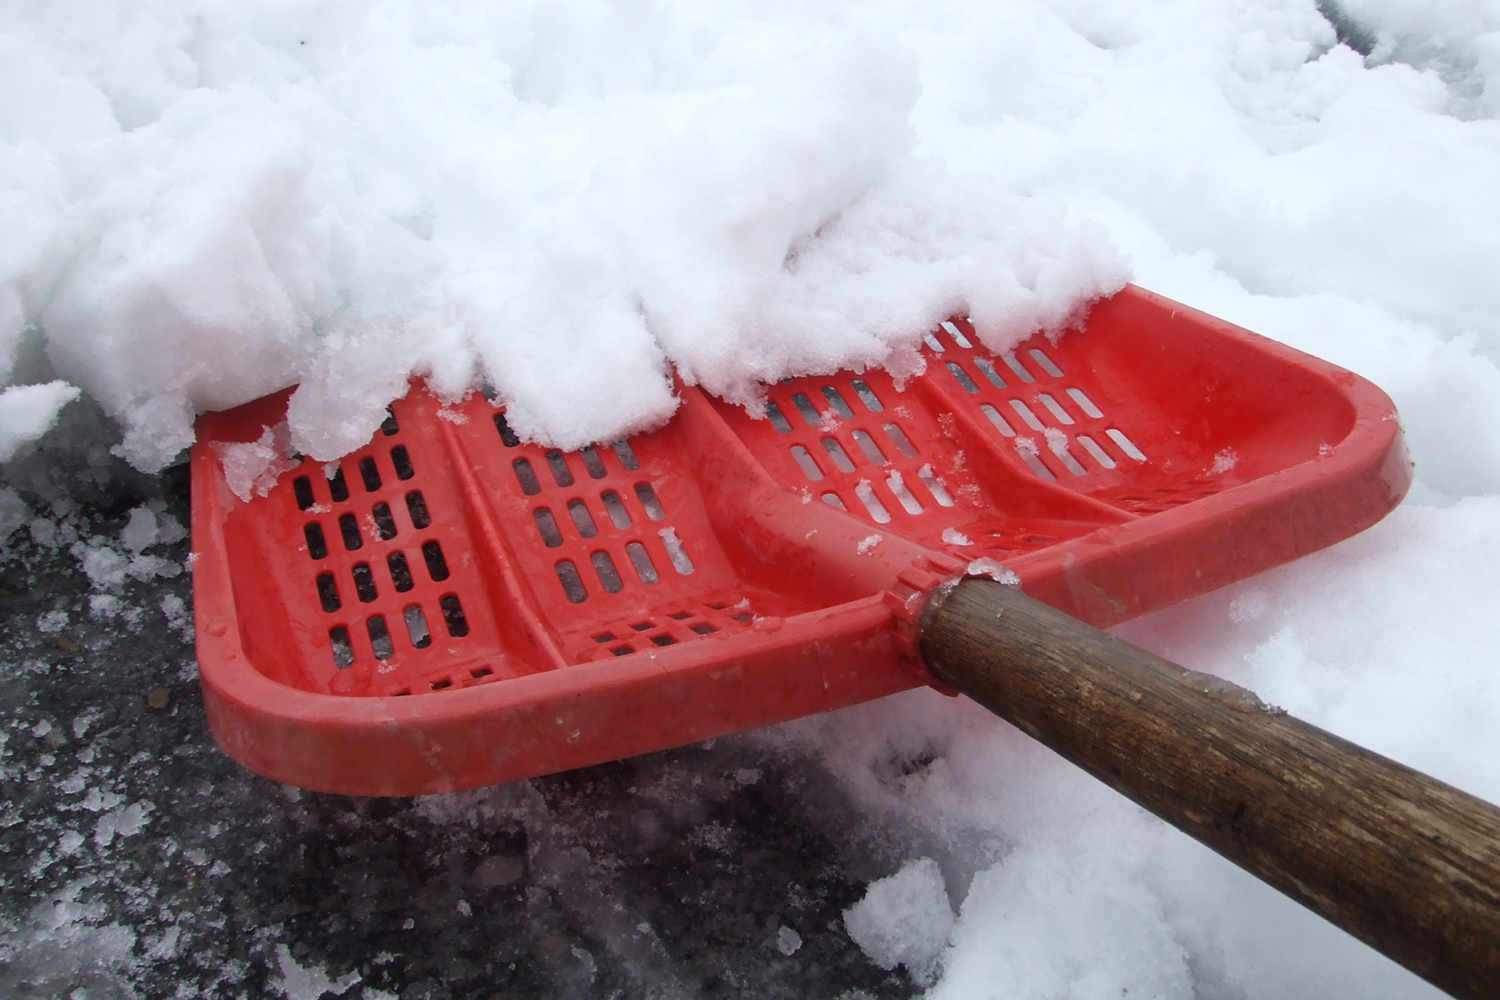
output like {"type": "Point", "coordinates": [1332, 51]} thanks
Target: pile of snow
{"type": "Point", "coordinates": [208, 201]}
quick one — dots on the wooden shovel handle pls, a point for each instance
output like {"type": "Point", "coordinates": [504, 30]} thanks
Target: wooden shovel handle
{"type": "Point", "coordinates": [1407, 864]}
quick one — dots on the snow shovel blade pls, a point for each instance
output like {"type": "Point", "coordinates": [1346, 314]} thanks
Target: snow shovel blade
{"type": "Point", "coordinates": [453, 608]}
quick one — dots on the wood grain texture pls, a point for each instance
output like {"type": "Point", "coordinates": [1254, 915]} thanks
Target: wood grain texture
{"type": "Point", "coordinates": [1405, 863]}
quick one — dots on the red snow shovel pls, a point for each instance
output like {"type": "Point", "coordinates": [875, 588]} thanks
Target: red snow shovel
{"type": "Point", "coordinates": [450, 607]}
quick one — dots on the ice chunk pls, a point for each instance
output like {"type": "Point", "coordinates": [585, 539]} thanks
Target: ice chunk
{"type": "Point", "coordinates": [904, 919]}
{"type": "Point", "coordinates": [139, 532]}
{"type": "Point", "coordinates": [252, 467]}
{"type": "Point", "coordinates": [300, 982]}
{"type": "Point", "coordinates": [29, 411]}
{"type": "Point", "coordinates": [995, 570]}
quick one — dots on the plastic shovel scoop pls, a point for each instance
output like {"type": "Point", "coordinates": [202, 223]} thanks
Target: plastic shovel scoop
{"type": "Point", "coordinates": [449, 607]}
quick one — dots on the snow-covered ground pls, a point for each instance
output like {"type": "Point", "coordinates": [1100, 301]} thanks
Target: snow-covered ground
{"type": "Point", "coordinates": [205, 201]}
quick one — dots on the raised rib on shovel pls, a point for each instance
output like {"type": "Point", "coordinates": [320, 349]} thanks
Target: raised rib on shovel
{"type": "Point", "coordinates": [453, 608]}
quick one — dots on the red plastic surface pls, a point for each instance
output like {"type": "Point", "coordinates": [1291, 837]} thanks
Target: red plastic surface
{"type": "Point", "coordinates": [729, 572]}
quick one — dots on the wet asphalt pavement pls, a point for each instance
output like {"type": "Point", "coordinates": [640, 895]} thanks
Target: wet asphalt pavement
{"type": "Point", "coordinates": [136, 860]}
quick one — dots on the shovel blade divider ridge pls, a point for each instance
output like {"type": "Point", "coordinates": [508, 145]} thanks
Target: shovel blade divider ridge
{"type": "Point", "coordinates": [449, 607]}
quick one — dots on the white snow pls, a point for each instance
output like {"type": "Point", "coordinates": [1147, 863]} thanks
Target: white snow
{"type": "Point", "coordinates": [252, 467]}
{"type": "Point", "coordinates": [124, 822]}
{"type": "Point", "coordinates": [299, 982]}
{"type": "Point", "coordinates": [994, 569]}
{"type": "Point", "coordinates": [204, 202]}
{"type": "Point", "coordinates": [212, 200]}
{"type": "Point", "coordinates": [29, 411]}
{"type": "Point", "coordinates": [904, 919]}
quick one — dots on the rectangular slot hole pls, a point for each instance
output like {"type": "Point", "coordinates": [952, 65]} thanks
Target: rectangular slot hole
{"type": "Point", "coordinates": [1126, 445]}
{"type": "Point", "coordinates": [593, 463]}
{"type": "Point", "coordinates": [806, 408]}
{"type": "Point", "coordinates": [401, 577]}
{"type": "Point", "coordinates": [997, 420]}
{"type": "Point", "coordinates": [317, 545]}
{"type": "Point", "coordinates": [437, 566]}
{"type": "Point", "coordinates": [1085, 403]}
{"type": "Point", "coordinates": [897, 485]}
{"type": "Point", "coordinates": [349, 529]}
{"type": "Point", "coordinates": [872, 503]}
{"type": "Point", "coordinates": [582, 520]}
{"type": "Point", "coordinates": [663, 640]}
{"type": "Point", "coordinates": [453, 615]}
{"type": "Point", "coordinates": [604, 637]}
{"type": "Point", "coordinates": [547, 525]}
{"type": "Point", "coordinates": [441, 685]}
{"type": "Point", "coordinates": [480, 673]}
{"type": "Point", "coordinates": [836, 452]}
{"type": "Point", "coordinates": [832, 500]}
{"type": "Point", "coordinates": [328, 592]}
{"type": "Point", "coordinates": [680, 616]}
{"type": "Point", "coordinates": [626, 455]}
{"type": "Point", "coordinates": [369, 474]}
{"type": "Point", "coordinates": [987, 369]}
{"type": "Point", "coordinates": [1055, 408]}
{"type": "Point", "coordinates": [343, 649]}
{"type": "Point", "coordinates": [609, 577]}
{"type": "Point", "coordinates": [837, 402]}
{"type": "Point", "coordinates": [935, 486]}
{"type": "Point", "coordinates": [416, 506]}
{"type": "Point", "coordinates": [302, 487]}
{"type": "Point", "coordinates": [1047, 364]}
{"type": "Point", "coordinates": [416, 626]}
{"type": "Point", "coordinates": [572, 583]}
{"type": "Point", "coordinates": [867, 396]}
{"type": "Point", "coordinates": [643, 626]}
{"type": "Point", "coordinates": [869, 447]}
{"type": "Point", "coordinates": [1014, 364]}
{"type": "Point", "coordinates": [806, 464]}
{"type": "Point", "coordinates": [703, 628]}
{"type": "Point", "coordinates": [364, 583]}
{"type": "Point", "coordinates": [389, 426]}
{"type": "Point", "coordinates": [338, 487]}
{"type": "Point", "coordinates": [647, 497]}
{"type": "Point", "coordinates": [1060, 449]}
{"type": "Point", "coordinates": [380, 637]}
{"type": "Point", "coordinates": [641, 560]}
{"type": "Point", "coordinates": [957, 335]}
{"type": "Point", "coordinates": [401, 461]}
{"type": "Point", "coordinates": [385, 521]}
{"type": "Point", "coordinates": [1099, 454]}
{"type": "Point", "coordinates": [558, 465]}
{"type": "Point", "coordinates": [507, 436]}
{"type": "Point", "coordinates": [1024, 412]}
{"type": "Point", "coordinates": [931, 341]}
{"type": "Point", "coordinates": [778, 419]}
{"type": "Point", "coordinates": [622, 650]}
{"type": "Point", "coordinates": [962, 377]}
{"type": "Point", "coordinates": [901, 441]}
{"type": "Point", "coordinates": [615, 508]}
{"type": "Point", "coordinates": [676, 552]}
{"type": "Point", "coordinates": [526, 476]}
{"type": "Point", "coordinates": [1033, 460]}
